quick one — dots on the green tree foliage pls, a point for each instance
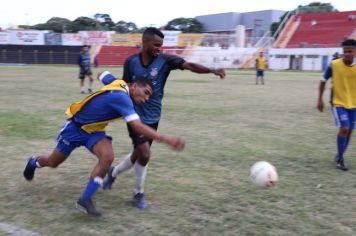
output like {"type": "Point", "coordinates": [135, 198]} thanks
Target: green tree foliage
{"type": "Point", "coordinates": [186, 25]}
{"type": "Point", "coordinates": [125, 27]}
{"type": "Point", "coordinates": [103, 22]}
{"type": "Point", "coordinates": [314, 7]}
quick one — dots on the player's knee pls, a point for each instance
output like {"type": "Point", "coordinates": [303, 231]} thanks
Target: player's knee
{"type": "Point", "coordinates": [344, 131]}
{"type": "Point", "coordinates": [106, 160]}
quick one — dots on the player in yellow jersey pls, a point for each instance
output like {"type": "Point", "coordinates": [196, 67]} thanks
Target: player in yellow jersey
{"type": "Point", "coordinates": [260, 68]}
{"type": "Point", "coordinates": [343, 97]}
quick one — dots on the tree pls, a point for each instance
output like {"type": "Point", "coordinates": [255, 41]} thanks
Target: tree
{"type": "Point", "coordinates": [103, 21]}
{"type": "Point", "coordinates": [186, 25]}
{"type": "Point", "coordinates": [314, 7]}
{"type": "Point", "coordinates": [124, 27]}
{"type": "Point", "coordinates": [82, 24]}
{"type": "Point", "coordinates": [57, 24]}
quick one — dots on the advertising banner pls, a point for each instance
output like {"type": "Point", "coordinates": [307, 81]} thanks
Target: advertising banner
{"type": "Point", "coordinates": [4, 38]}
{"type": "Point", "coordinates": [72, 39]}
{"type": "Point", "coordinates": [129, 40]}
{"type": "Point", "coordinates": [53, 39]}
{"type": "Point", "coordinates": [96, 37]}
{"type": "Point", "coordinates": [170, 38]}
{"type": "Point", "coordinates": [27, 37]}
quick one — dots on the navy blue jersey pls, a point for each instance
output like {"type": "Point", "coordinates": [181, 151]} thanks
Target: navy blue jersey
{"type": "Point", "coordinates": [158, 71]}
{"type": "Point", "coordinates": [84, 61]}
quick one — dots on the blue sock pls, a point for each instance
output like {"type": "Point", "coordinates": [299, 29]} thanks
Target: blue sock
{"type": "Point", "coordinates": [347, 142]}
{"type": "Point", "coordinates": [33, 163]}
{"type": "Point", "coordinates": [341, 146]}
{"type": "Point", "coordinates": [92, 187]}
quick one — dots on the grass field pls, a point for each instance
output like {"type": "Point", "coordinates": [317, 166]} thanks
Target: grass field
{"type": "Point", "coordinates": [204, 190]}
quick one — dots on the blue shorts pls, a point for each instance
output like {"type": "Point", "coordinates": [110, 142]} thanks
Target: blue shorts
{"type": "Point", "coordinates": [260, 73]}
{"type": "Point", "coordinates": [71, 136]}
{"type": "Point", "coordinates": [344, 117]}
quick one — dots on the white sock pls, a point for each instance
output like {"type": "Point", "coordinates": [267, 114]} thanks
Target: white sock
{"type": "Point", "coordinates": [124, 165]}
{"type": "Point", "coordinates": [82, 89]}
{"type": "Point", "coordinates": [90, 84]}
{"type": "Point", "coordinates": [140, 172]}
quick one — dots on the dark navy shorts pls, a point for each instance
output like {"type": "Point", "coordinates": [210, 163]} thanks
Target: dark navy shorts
{"type": "Point", "coordinates": [71, 136]}
{"type": "Point", "coordinates": [138, 139]}
{"type": "Point", "coordinates": [260, 73]}
{"type": "Point", "coordinates": [83, 73]}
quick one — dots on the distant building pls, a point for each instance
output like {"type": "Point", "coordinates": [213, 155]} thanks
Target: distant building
{"type": "Point", "coordinates": [257, 23]}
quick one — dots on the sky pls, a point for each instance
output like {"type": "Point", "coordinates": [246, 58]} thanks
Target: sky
{"type": "Point", "coordinates": [142, 13]}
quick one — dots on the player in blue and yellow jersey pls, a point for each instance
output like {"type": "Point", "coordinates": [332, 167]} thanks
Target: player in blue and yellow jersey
{"type": "Point", "coordinates": [85, 69]}
{"type": "Point", "coordinates": [155, 66]}
{"type": "Point", "coordinates": [343, 97]}
{"type": "Point", "coordinates": [260, 68]}
{"type": "Point", "coordinates": [86, 127]}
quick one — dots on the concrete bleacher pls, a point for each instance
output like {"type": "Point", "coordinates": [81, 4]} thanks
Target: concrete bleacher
{"type": "Point", "coordinates": [326, 29]}
{"type": "Point", "coordinates": [115, 55]}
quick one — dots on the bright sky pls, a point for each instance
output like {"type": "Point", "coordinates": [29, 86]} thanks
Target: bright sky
{"type": "Point", "coordinates": [141, 12]}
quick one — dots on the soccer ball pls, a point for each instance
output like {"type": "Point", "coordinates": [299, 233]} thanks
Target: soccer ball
{"type": "Point", "coordinates": [264, 174]}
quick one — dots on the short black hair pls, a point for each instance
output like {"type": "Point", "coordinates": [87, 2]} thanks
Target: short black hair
{"type": "Point", "coordinates": [152, 31]}
{"type": "Point", "coordinates": [349, 42]}
{"type": "Point", "coordinates": [143, 81]}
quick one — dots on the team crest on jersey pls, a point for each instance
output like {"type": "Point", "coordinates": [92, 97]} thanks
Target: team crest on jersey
{"type": "Point", "coordinates": [154, 72]}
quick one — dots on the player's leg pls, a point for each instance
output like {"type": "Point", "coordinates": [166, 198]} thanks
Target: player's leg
{"type": "Point", "coordinates": [129, 160]}
{"type": "Point", "coordinates": [52, 160]}
{"type": "Point", "coordinates": [257, 77]}
{"type": "Point", "coordinates": [343, 122]}
{"type": "Point", "coordinates": [90, 83]}
{"type": "Point", "coordinates": [142, 155]}
{"type": "Point", "coordinates": [262, 77]}
{"type": "Point", "coordinates": [59, 154]}
{"type": "Point", "coordinates": [102, 148]}
{"type": "Point", "coordinates": [352, 118]}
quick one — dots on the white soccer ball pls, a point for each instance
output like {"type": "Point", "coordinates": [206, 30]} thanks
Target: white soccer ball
{"type": "Point", "coordinates": [264, 174]}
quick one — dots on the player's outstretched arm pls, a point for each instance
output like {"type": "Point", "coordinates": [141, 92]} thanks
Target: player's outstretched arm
{"type": "Point", "coordinates": [176, 143]}
{"type": "Point", "coordinates": [200, 69]}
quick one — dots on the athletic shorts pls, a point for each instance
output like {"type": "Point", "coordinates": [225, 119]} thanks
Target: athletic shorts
{"type": "Point", "coordinates": [71, 136]}
{"type": "Point", "coordinates": [138, 139]}
{"type": "Point", "coordinates": [260, 73]}
{"type": "Point", "coordinates": [83, 73]}
{"type": "Point", "coordinates": [344, 117]}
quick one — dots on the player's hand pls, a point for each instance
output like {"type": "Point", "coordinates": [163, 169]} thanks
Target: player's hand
{"type": "Point", "coordinates": [320, 105]}
{"type": "Point", "coordinates": [220, 73]}
{"type": "Point", "coordinates": [176, 143]}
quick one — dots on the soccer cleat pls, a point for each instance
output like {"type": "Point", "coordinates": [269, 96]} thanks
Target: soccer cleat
{"type": "Point", "coordinates": [82, 92]}
{"type": "Point", "coordinates": [109, 179]}
{"type": "Point", "coordinates": [139, 201]}
{"type": "Point", "coordinates": [30, 168]}
{"type": "Point", "coordinates": [341, 165]}
{"type": "Point", "coordinates": [89, 90]}
{"type": "Point", "coordinates": [87, 207]}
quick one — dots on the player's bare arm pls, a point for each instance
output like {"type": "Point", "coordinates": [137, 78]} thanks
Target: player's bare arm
{"type": "Point", "coordinates": [320, 104]}
{"type": "Point", "coordinates": [174, 142]}
{"type": "Point", "coordinates": [200, 69]}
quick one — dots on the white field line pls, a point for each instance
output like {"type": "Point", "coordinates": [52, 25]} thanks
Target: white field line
{"type": "Point", "coordinates": [16, 231]}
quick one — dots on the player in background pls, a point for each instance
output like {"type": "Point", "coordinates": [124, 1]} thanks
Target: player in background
{"type": "Point", "coordinates": [86, 127]}
{"type": "Point", "coordinates": [260, 66]}
{"type": "Point", "coordinates": [155, 66]}
{"type": "Point", "coordinates": [343, 97]}
{"type": "Point", "coordinates": [85, 69]}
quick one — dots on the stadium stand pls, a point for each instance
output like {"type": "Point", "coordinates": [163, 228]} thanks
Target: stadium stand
{"type": "Point", "coordinates": [326, 29]}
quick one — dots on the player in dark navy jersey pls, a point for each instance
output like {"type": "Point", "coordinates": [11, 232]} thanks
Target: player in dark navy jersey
{"type": "Point", "coordinates": [85, 69]}
{"type": "Point", "coordinates": [155, 66]}
{"type": "Point", "coordinates": [86, 127]}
